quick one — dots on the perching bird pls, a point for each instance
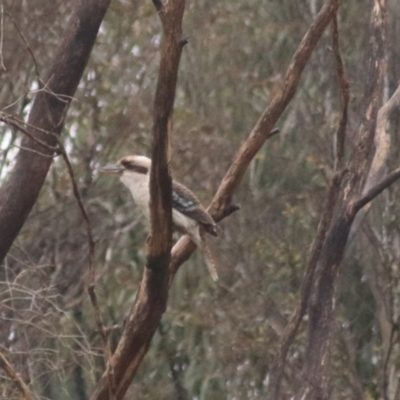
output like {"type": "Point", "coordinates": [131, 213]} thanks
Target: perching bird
{"type": "Point", "coordinates": [188, 215]}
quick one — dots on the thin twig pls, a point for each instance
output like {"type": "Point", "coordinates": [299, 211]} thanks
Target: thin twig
{"type": "Point", "coordinates": [27, 46]}
{"type": "Point", "coordinates": [9, 370]}
{"type": "Point", "coordinates": [35, 151]}
{"type": "Point", "coordinates": [9, 120]}
{"type": "Point", "coordinates": [91, 287]}
{"type": "Point", "coordinates": [15, 119]}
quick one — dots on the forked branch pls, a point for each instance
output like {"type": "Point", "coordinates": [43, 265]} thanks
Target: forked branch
{"type": "Point", "coordinates": [263, 129]}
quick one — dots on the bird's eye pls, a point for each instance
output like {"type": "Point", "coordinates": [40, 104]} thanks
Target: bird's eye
{"type": "Point", "coordinates": [126, 164]}
{"type": "Point", "coordinates": [132, 166]}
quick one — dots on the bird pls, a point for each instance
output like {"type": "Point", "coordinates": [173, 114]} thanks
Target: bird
{"type": "Point", "coordinates": [188, 215]}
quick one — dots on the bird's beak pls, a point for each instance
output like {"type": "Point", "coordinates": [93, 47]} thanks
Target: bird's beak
{"type": "Point", "coordinates": [111, 169]}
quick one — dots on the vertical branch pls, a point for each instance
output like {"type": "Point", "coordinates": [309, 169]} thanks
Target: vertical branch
{"type": "Point", "coordinates": [293, 325]}
{"type": "Point", "coordinates": [315, 376]}
{"type": "Point", "coordinates": [160, 180]}
{"type": "Point", "coordinates": [151, 301]}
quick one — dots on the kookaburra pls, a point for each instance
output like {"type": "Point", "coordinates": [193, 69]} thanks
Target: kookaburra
{"type": "Point", "coordinates": [188, 215]}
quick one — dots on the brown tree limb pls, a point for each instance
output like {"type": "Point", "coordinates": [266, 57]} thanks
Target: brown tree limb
{"type": "Point", "coordinates": [10, 371]}
{"type": "Point", "coordinates": [315, 375]}
{"type": "Point", "coordinates": [151, 301]}
{"type": "Point", "coordinates": [263, 128]}
{"type": "Point", "coordinates": [19, 193]}
{"type": "Point", "coordinates": [222, 201]}
{"type": "Point", "coordinates": [293, 325]}
{"type": "Point", "coordinates": [262, 131]}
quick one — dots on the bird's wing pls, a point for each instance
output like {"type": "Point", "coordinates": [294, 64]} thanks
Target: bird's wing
{"type": "Point", "coordinates": [184, 201]}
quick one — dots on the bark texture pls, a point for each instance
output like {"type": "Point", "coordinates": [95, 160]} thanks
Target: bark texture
{"type": "Point", "coordinates": [46, 119]}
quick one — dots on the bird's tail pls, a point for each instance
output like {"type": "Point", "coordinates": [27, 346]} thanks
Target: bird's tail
{"type": "Point", "coordinates": [212, 269]}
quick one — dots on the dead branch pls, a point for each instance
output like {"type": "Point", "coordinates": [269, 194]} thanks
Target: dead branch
{"type": "Point", "coordinates": [9, 370]}
{"type": "Point", "coordinates": [262, 131]}
{"type": "Point", "coordinates": [264, 126]}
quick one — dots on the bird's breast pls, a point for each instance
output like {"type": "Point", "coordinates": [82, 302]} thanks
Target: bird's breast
{"type": "Point", "coordinates": [139, 188]}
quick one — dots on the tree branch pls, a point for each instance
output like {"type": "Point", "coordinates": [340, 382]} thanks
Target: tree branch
{"type": "Point", "coordinates": [19, 193]}
{"type": "Point", "coordinates": [315, 374]}
{"type": "Point", "coordinates": [262, 131]}
{"type": "Point", "coordinates": [292, 326]}
{"type": "Point", "coordinates": [376, 190]}
{"type": "Point", "coordinates": [12, 121]}
{"type": "Point", "coordinates": [9, 370]}
{"type": "Point", "coordinates": [264, 126]}
{"type": "Point", "coordinates": [382, 150]}
{"type": "Point", "coordinates": [151, 301]}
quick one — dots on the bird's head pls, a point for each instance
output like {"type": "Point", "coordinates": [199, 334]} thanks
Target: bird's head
{"type": "Point", "coordinates": [128, 166]}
